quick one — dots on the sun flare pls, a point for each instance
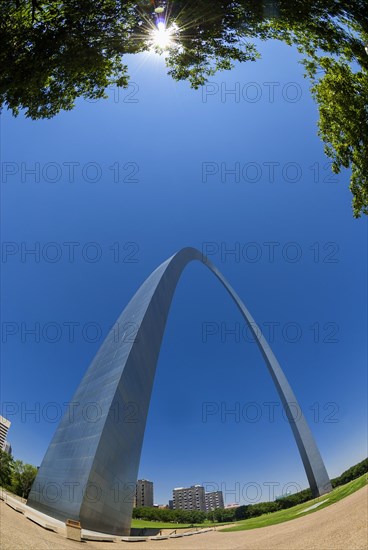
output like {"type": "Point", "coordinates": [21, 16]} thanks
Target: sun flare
{"type": "Point", "coordinates": [164, 37]}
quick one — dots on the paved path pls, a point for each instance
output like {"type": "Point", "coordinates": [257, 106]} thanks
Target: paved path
{"type": "Point", "coordinates": [341, 526]}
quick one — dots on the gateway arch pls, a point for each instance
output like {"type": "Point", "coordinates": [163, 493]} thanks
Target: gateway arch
{"type": "Point", "coordinates": [91, 465]}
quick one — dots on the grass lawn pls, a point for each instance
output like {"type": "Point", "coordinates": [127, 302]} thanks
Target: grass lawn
{"type": "Point", "coordinates": [292, 513]}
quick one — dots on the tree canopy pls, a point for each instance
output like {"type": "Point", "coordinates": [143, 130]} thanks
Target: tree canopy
{"type": "Point", "coordinates": [23, 475]}
{"type": "Point", "coordinates": [15, 475]}
{"type": "Point", "coordinates": [6, 468]}
{"type": "Point", "coordinates": [53, 52]}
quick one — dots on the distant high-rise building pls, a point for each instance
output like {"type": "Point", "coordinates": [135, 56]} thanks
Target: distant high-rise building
{"type": "Point", "coordinates": [4, 428]}
{"type": "Point", "coordinates": [214, 500]}
{"type": "Point", "coordinates": [189, 498]}
{"type": "Point", "coordinates": [143, 493]}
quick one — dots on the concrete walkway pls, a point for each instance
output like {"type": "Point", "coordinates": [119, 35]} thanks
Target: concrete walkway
{"type": "Point", "coordinates": [341, 526]}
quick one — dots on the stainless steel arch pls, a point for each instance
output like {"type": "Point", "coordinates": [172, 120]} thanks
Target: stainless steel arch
{"type": "Point", "coordinates": [90, 468]}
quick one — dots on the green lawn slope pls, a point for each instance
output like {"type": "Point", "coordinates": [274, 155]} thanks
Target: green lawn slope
{"type": "Point", "coordinates": [297, 511]}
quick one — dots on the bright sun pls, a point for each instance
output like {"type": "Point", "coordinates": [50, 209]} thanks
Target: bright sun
{"type": "Point", "coordinates": [163, 37]}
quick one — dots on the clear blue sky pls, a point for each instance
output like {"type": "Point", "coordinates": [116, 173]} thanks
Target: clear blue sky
{"type": "Point", "coordinates": [177, 144]}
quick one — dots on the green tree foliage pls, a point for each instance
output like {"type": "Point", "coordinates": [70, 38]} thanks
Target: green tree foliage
{"type": "Point", "coordinates": [241, 512]}
{"type": "Point", "coordinates": [6, 466]}
{"type": "Point", "coordinates": [222, 515]}
{"type": "Point", "coordinates": [342, 98]}
{"type": "Point", "coordinates": [292, 500]}
{"type": "Point", "coordinates": [352, 473]}
{"type": "Point", "coordinates": [23, 475]}
{"type": "Point", "coordinates": [53, 52]}
{"type": "Point", "coordinates": [167, 515]}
